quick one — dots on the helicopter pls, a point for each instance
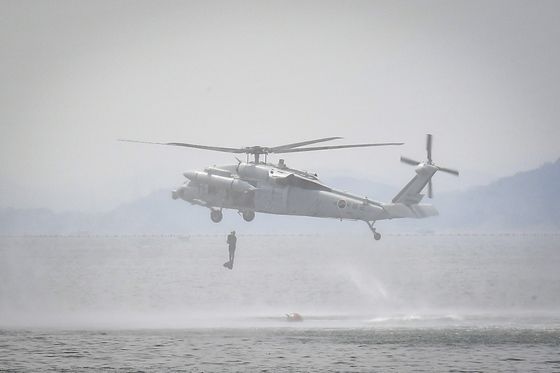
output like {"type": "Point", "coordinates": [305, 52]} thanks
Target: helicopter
{"type": "Point", "coordinates": [256, 186]}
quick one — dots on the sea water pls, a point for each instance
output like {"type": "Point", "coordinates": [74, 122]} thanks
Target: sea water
{"type": "Point", "coordinates": [405, 303]}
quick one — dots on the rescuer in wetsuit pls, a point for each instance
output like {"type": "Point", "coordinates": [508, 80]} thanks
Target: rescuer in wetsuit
{"type": "Point", "coordinates": [231, 241]}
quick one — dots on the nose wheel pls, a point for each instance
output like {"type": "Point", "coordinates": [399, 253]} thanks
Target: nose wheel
{"type": "Point", "coordinates": [376, 235]}
{"type": "Point", "coordinates": [216, 216]}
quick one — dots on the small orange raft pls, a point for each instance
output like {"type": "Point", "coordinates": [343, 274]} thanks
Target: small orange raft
{"type": "Point", "coordinates": [294, 316]}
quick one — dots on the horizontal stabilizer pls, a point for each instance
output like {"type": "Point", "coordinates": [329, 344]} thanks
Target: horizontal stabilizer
{"type": "Point", "coordinates": [400, 210]}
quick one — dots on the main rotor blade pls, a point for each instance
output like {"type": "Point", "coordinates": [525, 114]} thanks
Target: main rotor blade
{"type": "Point", "coordinates": [336, 147]}
{"type": "Point", "coordinates": [298, 144]}
{"type": "Point", "coordinates": [204, 147]}
{"type": "Point", "coordinates": [429, 147]}
{"type": "Point", "coordinates": [430, 190]}
{"type": "Point", "coordinates": [448, 170]}
{"type": "Point", "coordinates": [410, 161]}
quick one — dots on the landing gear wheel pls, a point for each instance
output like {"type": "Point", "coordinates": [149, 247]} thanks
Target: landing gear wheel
{"type": "Point", "coordinates": [248, 215]}
{"type": "Point", "coordinates": [376, 236]}
{"type": "Point", "coordinates": [216, 216]}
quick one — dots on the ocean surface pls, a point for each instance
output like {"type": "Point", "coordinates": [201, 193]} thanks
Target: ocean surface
{"type": "Point", "coordinates": [432, 303]}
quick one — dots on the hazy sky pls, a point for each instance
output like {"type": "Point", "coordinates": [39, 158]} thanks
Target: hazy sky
{"type": "Point", "coordinates": [482, 76]}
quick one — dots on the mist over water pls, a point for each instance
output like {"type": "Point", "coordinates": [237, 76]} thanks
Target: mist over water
{"type": "Point", "coordinates": [334, 282]}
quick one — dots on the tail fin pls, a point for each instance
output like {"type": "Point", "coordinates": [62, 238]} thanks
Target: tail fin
{"type": "Point", "coordinates": [411, 193]}
{"type": "Point", "coordinates": [406, 204]}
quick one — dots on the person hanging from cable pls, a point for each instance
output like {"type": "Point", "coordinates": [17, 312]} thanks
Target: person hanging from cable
{"type": "Point", "coordinates": [232, 242]}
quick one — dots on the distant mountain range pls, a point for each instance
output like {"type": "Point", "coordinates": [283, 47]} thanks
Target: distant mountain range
{"type": "Point", "coordinates": [527, 201]}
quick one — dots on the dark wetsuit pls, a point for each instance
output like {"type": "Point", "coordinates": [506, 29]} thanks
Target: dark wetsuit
{"type": "Point", "coordinates": [232, 241]}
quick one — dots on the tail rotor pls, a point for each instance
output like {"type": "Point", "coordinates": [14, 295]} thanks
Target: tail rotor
{"type": "Point", "coordinates": [429, 162]}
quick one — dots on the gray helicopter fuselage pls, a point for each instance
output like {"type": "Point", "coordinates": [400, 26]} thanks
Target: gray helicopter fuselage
{"type": "Point", "coordinates": [274, 189]}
